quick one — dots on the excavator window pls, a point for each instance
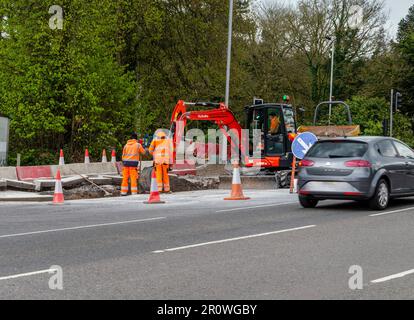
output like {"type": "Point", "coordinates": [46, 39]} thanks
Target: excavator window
{"type": "Point", "coordinates": [275, 134]}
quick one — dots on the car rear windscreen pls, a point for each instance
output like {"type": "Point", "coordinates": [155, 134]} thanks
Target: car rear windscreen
{"type": "Point", "coordinates": [338, 149]}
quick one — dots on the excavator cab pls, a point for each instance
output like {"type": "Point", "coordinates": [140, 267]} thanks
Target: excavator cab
{"type": "Point", "coordinates": [276, 125]}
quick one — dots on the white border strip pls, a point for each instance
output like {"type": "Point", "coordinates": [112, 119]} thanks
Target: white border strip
{"type": "Point", "coordinates": [394, 276]}
{"type": "Point", "coordinates": [80, 227]}
{"type": "Point", "coordinates": [233, 239]}
{"type": "Point", "coordinates": [257, 207]}
{"type": "Point", "coordinates": [21, 275]}
{"type": "Point", "coordinates": [391, 212]}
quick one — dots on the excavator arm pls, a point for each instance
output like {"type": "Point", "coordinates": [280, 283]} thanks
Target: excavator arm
{"type": "Point", "coordinates": [217, 113]}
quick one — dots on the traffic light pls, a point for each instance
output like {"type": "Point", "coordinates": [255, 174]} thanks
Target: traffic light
{"type": "Point", "coordinates": [258, 102]}
{"type": "Point", "coordinates": [398, 100]}
{"type": "Point", "coordinates": [385, 127]}
{"type": "Point", "coordinates": [286, 98]}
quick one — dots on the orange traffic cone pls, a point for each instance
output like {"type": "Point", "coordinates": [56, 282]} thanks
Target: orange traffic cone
{"type": "Point", "coordinates": [154, 195]}
{"type": "Point", "coordinates": [87, 160]}
{"type": "Point", "coordinates": [58, 196]}
{"type": "Point", "coordinates": [104, 158]}
{"type": "Point", "coordinates": [113, 158]}
{"type": "Point", "coordinates": [236, 188]}
{"type": "Point", "coordinates": [61, 158]}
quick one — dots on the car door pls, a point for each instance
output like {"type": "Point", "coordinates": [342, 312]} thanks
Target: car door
{"type": "Point", "coordinates": [394, 165]}
{"type": "Point", "coordinates": [407, 154]}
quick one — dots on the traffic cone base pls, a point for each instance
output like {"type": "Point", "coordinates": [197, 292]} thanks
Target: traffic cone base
{"type": "Point", "coordinates": [154, 193]}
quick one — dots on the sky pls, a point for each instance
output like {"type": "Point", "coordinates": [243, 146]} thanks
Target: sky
{"type": "Point", "coordinates": [397, 10]}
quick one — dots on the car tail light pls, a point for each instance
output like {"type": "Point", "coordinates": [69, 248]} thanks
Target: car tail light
{"type": "Point", "coordinates": [358, 164]}
{"type": "Point", "coordinates": [306, 163]}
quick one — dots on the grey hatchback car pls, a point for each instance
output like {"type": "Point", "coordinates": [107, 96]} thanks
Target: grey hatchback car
{"type": "Point", "coordinates": [372, 169]}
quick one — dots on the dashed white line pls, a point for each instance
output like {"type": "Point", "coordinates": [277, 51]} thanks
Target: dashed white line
{"type": "Point", "coordinates": [21, 275]}
{"type": "Point", "coordinates": [258, 207]}
{"type": "Point", "coordinates": [391, 212]}
{"type": "Point", "coordinates": [394, 276]}
{"type": "Point", "coordinates": [80, 227]}
{"type": "Point", "coordinates": [233, 239]}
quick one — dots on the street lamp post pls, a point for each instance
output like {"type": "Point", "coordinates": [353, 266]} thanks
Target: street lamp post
{"type": "Point", "coordinates": [228, 72]}
{"type": "Point", "coordinates": [229, 49]}
{"type": "Point", "coordinates": [332, 77]}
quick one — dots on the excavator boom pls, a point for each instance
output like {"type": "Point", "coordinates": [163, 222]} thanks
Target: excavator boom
{"type": "Point", "coordinates": [217, 113]}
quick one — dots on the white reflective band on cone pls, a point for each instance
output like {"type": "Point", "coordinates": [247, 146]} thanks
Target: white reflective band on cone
{"type": "Point", "coordinates": [58, 186]}
{"type": "Point", "coordinates": [154, 185]}
{"type": "Point", "coordinates": [236, 176]}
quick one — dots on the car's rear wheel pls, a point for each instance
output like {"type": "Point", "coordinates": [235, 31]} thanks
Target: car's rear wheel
{"type": "Point", "coordinates": [308, 203]}
{"type": "Point", "coordinates": [381, 198]}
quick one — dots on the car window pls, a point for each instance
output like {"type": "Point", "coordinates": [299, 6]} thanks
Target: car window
{"type": "Point", "coordinates": [404, 151]}
{"type": "Point", "coordinates": [338, 149]}
{"type": "Point", "coordinates": [386, 149]}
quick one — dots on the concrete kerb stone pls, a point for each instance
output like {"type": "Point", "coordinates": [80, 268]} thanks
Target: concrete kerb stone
{"type": "Point", "coordinates": [8, 173]}
{"type": "Point", "coordinates": [21, 185]}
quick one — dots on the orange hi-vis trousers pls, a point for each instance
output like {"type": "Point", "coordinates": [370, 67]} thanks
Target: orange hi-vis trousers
{"type": "Point", "coordinates": [129, 174]}
{"type": "Point", "coordinates": [163, 180]}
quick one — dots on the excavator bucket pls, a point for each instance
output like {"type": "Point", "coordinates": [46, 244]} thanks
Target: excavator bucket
{"type": "Point", "coordinates": [350, 130]}
{"type": "Point", "coordinates": [332, 131]}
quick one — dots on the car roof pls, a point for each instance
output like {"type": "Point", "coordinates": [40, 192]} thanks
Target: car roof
{"type": "Point", "coordinates": [366, 139]}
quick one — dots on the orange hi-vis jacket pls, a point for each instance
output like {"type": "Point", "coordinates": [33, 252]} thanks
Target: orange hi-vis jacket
{"type": "Point", "coordinates": [162, 151]}
{"type": "Point", "coordinates": [274, 125]}
{"type": "Point", "coordinates": [130, 155]}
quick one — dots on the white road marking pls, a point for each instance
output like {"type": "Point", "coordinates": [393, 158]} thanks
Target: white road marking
{"type": "Point", "coordinates": [21, 275]}
{"type": "Point", "coordinates": [394, 276]}
{"type": "Point", "coordinates": [391, 212]}
{"type": "Point", "coordinates": [233, 239]}
{"type": "Point", "coordinates": [257, 207]}
{"type": "Point", "coordinates": [80, 227]}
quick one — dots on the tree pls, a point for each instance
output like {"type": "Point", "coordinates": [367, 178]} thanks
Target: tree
{"type": "Point", "coordinates": [63, 88]}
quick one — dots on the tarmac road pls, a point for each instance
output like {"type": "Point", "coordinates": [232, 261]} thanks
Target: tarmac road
{"type": "Point", "coordinates": [198, 246]}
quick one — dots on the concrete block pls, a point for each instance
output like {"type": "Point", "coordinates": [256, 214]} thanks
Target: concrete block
{"type": "Point", "coordinates": [97, 168]}
{"type": "Point", "coordinates": [3, 184]}
{"type": "Point", "coordinates": [8, 173]}
{"type": "Point", "coordinates": [255, 183]}
{"type": "Point", "coordinates": [67, 182]}
{"type": "Point", "coordinates": [20, 185]}
{"type": "Point", "coordinates": [41, 185]}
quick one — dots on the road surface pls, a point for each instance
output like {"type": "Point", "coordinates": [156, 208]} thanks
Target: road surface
{"type": "Point", "coordinates": [198, 246]}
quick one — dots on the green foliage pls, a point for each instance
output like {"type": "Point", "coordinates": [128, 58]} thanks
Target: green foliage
{"type": "Point", "coordinates": [63, 88]}
{"type": "Point", "coordinates": [122, 65]}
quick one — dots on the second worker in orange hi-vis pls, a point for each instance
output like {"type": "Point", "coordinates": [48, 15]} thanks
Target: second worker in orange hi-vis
{"type": "Point", "coordinates": [130, 161]}
{"type": "Point", "coordinates": [161, 149]}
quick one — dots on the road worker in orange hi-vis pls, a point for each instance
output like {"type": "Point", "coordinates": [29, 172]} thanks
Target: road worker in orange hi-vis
{"type": "Point", "coordinates": [274, 124]}
{"type": "Point", "coordinates": [161, 149]}
{"type": "Point", "coordinates": [130, 161]}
